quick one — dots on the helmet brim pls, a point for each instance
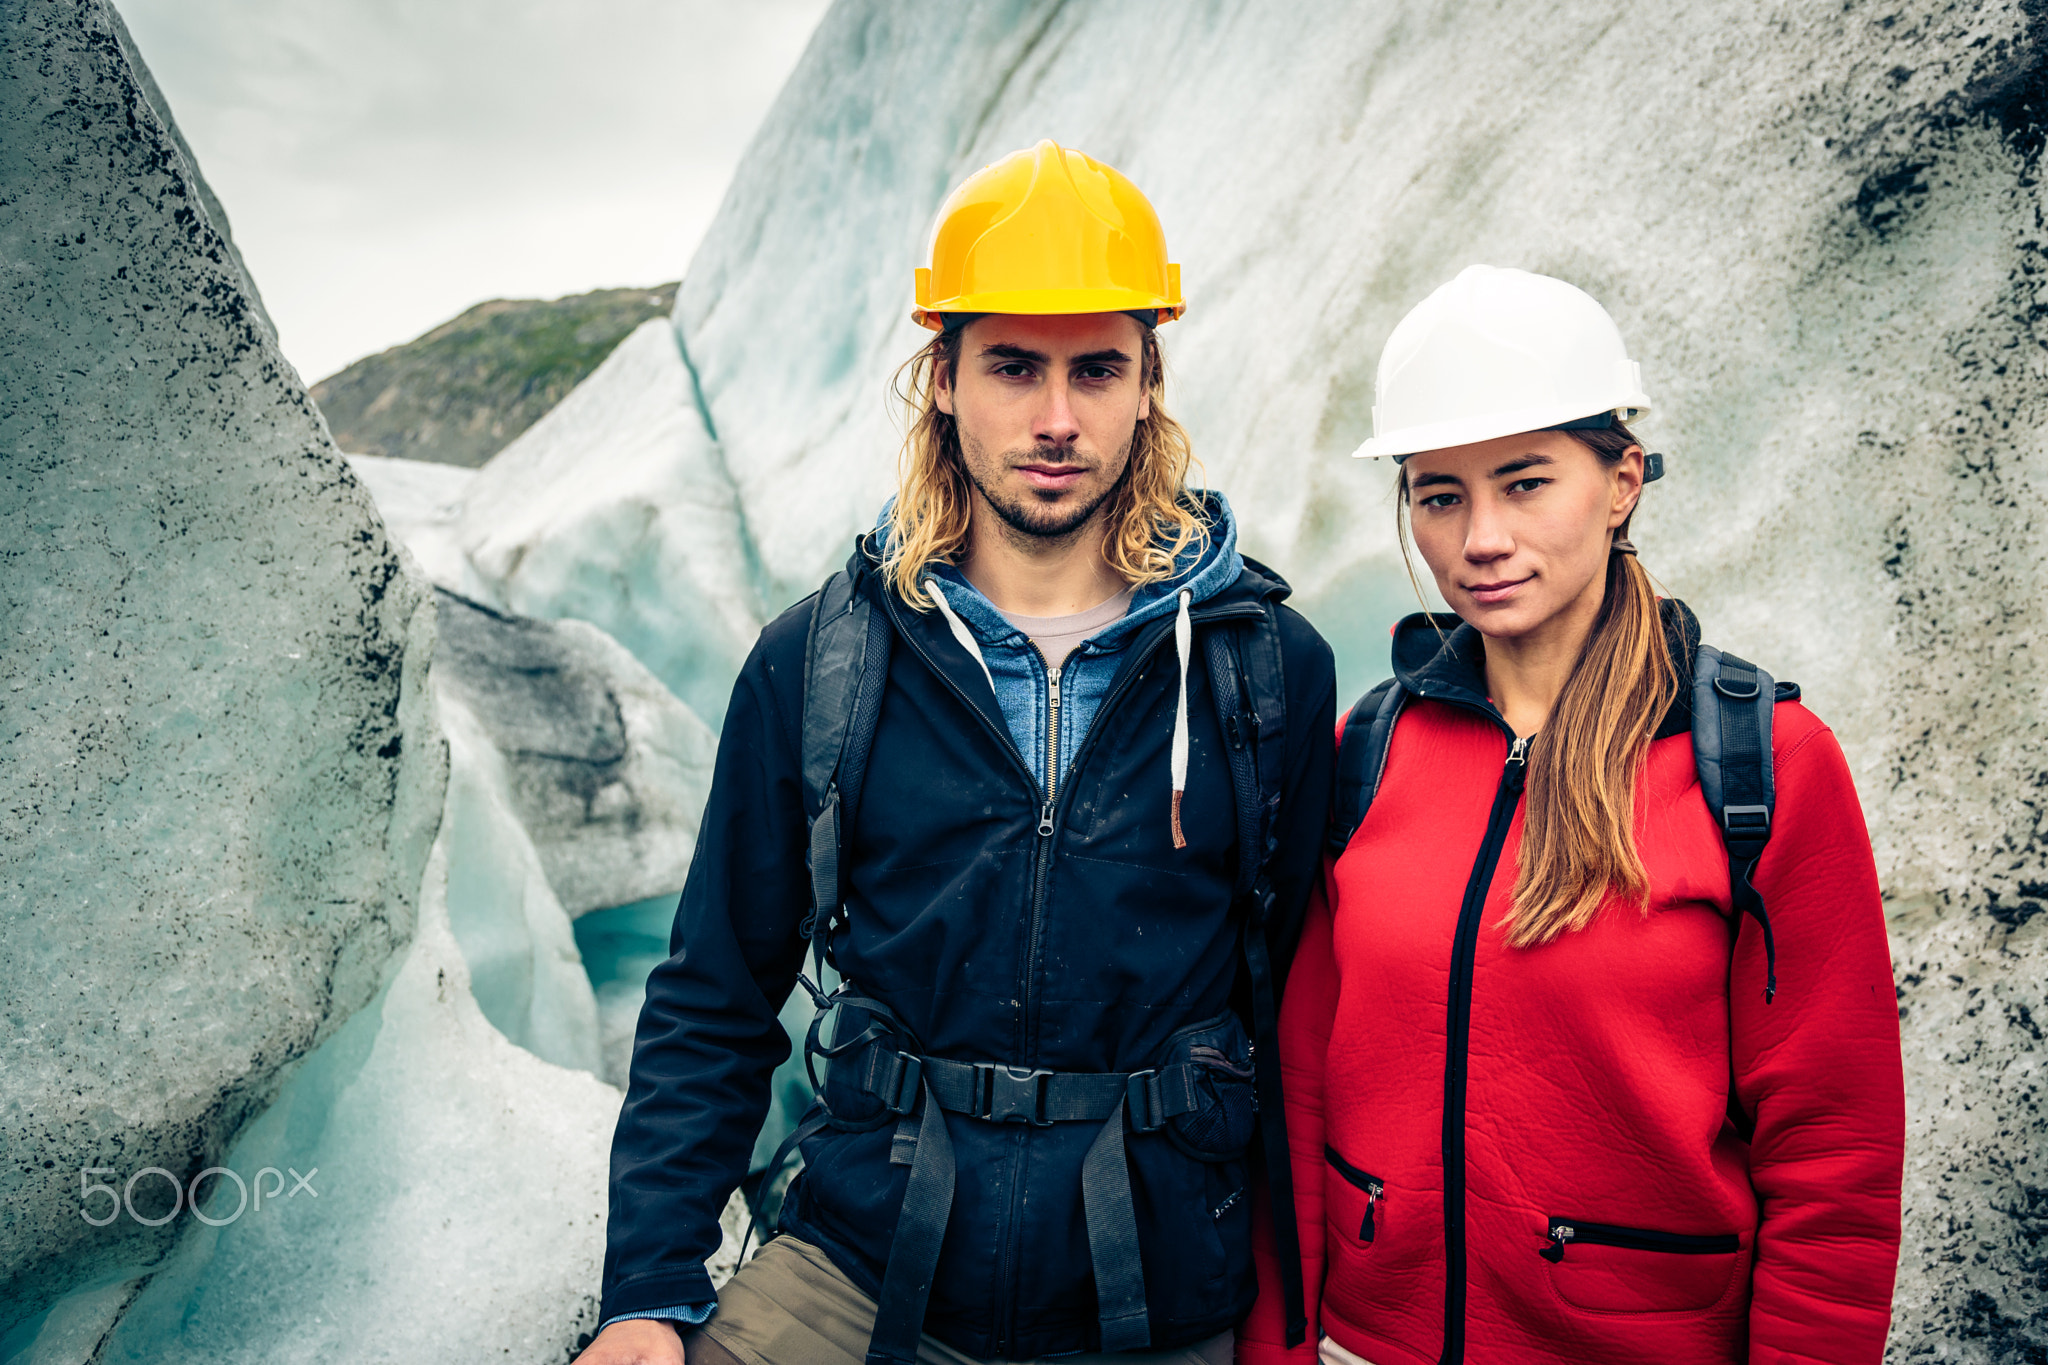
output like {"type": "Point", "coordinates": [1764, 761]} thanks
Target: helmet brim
{"type": "Point", "coordinates": [1465, 431]}
{"type": "Point", "coordinates": [1049, 303]}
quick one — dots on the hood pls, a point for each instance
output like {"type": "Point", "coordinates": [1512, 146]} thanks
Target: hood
{"type": "Point", "coordinates": [1205, 568]}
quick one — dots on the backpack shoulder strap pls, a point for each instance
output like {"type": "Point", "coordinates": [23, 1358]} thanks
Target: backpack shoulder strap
{"type": "Point", "coordinates": [1362, 758]}
{"type": "Point", "coordinates": [1247, 685]}
{"type": "Point", "coordinates": [846, 668]}
{"type": "Point", "coordinates": [1732, 702]}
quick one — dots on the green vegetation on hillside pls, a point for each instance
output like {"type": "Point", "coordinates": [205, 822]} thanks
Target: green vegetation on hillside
{"type": "Point", "coordinates": [462, 392]}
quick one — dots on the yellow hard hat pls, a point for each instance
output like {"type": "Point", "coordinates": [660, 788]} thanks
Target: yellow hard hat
{"type": "Point", "coordinates": [1047, 231]}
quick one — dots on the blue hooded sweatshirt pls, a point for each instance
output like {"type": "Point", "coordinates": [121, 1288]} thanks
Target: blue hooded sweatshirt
{"type": "Point", "coordinates": [1017, 671]}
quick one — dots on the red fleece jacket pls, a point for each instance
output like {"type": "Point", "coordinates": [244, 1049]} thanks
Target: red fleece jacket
{"type": "Point", "coordinates": [1597, 1085]}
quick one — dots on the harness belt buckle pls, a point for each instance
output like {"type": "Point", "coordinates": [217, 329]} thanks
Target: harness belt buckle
{"type": "Point", "coordinates": [1141, 1102]}
{"type": "Point", "coordinates": [1010, 1094]}
{"type": "Point", "coordinates": [898, 1086]}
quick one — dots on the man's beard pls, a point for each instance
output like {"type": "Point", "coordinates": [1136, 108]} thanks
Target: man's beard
{"type": "Point", "coordinates": [1027, 515]}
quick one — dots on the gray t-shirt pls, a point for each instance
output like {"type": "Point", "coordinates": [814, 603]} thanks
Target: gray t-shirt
{"type": "Point", "coordinates": [1056, 636]}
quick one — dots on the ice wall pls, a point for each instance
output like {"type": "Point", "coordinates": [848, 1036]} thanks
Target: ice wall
{"type": "Point", "coordinates": [1819, 227]}
{"type": "Point", "coordinates": [247, 920]}
{"type": "Point", "coordinates": [219, 780]}
{"type": "Point", "coordinates": [617, 508]}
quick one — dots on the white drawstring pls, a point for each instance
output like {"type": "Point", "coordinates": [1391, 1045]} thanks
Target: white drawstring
{"type": "Point", "coordinates": [966, 636]}
{"type": "Point", "coordinates": [1183, 638]}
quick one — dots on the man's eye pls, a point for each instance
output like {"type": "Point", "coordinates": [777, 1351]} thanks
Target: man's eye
{"type": "Point", "coordinates": [1526, 485]}
{"type": "Point", "coordinates": [1014, 369]}
{"type": "Point", "coordinates": [1097, 372]}
{"type": "Point", "coordinates": [1441, 500]}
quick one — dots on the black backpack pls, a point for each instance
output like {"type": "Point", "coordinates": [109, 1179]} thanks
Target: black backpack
{"type": "Point", "coordinates": [1732, 701]}
{"type": "Point", "coordinates": [846, 666]}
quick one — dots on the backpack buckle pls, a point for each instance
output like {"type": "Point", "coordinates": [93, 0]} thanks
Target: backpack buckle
{"type": "Point", "coordinates": [1746, 829]}
{"type": "Point", "coordinates": [898, 1085]}
{"type": "Point", "coordinates": [1010, 1094]}
{"type": "Point", "coordinates": [1141, 1101]}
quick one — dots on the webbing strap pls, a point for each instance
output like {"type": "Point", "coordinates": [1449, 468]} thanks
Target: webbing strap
{"type": "Point", "coordinates": [824, 877]}
{"type": "Point", "coordinates": [1362, 760]}
{"type": "Point", "coordinates": [1733, 701]}
{"type": "Point", "coordinates": [1013, 1094]}
{"type": "Point", "coordinates": [1273, 1137]}
{"type": "Point", "coordinates": [1255, 896]}
{"type": "Point", "coordinates": [1113, 1241]}
{"type": "Point", "coordinates": [845, 678]}
{"type": "Point", "coordinates": [914, 1251]}
{"type": "Point", "coordinates": [815, 1123]}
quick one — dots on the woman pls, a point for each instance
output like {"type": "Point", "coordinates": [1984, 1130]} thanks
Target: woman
{"type": "Point", "coordinates": [1544, 1102]}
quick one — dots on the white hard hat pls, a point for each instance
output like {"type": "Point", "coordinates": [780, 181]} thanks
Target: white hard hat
{"type": "Point", "coordinates": [1496, 352]}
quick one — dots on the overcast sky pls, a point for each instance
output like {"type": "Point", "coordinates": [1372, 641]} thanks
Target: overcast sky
{"type": "Point", "coordinates": [386, 163]}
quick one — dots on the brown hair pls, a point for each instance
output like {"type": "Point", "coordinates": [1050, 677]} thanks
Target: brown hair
{"type": "Point", "coordinates": [1578, 832]}
{"type": "Point", "coordinates": [1151, 515]}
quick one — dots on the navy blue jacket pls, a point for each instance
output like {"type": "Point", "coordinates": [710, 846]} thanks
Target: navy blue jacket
{"type": "Point", "coordinates": [1084, 960]}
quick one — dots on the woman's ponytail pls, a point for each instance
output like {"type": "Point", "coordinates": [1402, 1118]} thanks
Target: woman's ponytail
{"type": "Point", "coordinates": [1578, 837]}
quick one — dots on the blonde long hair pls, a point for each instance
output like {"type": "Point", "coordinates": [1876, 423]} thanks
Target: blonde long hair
{"type": "Point", "coordinates": [1578, 831]}
{"type": "Point", "coordinates": [1152, 515]}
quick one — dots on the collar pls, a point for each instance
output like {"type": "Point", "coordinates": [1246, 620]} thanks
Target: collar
{"type": "Point", "coordinates": [1437, 655]}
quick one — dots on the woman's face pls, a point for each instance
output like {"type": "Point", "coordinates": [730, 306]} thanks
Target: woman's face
{"type": "Point", "coordinates": [1516, 530]}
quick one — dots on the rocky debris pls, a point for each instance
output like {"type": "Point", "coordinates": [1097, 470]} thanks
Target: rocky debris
{"type": "Point", "coordinates": [607, 771]}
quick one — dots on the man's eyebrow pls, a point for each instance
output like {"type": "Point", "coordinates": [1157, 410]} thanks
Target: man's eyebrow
{"type": "Point", "coordinates": [1111, 356]}
{"type": "Point", "coordinates": [1432, 480]}
{"type": "Point", "coordinates": [1004, 351]}
{"type": "Point", "coordinates": [1520, 463]}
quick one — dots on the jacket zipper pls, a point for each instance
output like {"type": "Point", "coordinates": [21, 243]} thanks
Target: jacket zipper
{"type": "Point", "coordinates": [1052, 742]}
{"type": "Point", "coordinates": [1375, 1188]}
{"type": "Point", "coordinates": [1563, 1230]}
{"type": "Point", "coordinates": [1142, 650]}
{"type": "Point", "coordinates": [1048, 817]}
{"type": "Point", "coordinates": [1464, 948]}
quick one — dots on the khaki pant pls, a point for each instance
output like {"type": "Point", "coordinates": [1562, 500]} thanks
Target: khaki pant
{"type": "Point", "coordinates": [791, 1306]}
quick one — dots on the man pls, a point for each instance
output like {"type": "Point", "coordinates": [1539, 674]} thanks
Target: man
{"type": "Point", "coordinates": [1047, 771]}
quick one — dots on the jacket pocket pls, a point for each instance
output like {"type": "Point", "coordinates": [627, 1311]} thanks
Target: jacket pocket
{"type": "Point", "coordinates": [1371, 1192]}
{"type": "Point", "coordinates": [1609, 1269]}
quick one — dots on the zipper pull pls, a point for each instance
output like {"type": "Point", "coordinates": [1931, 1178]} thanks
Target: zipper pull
{"type": "Point", "coordinates": [1517, 769]}
{"type": "Point", "coordinates": [1560, 1233]}
{"type": "Point", "coordinates": [1374, 1192]}
{"type": "Point", "coordinates": [1045, 821]}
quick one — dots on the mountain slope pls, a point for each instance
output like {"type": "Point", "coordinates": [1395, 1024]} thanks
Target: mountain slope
{"type": "Point", "coordinates": [460, 393]}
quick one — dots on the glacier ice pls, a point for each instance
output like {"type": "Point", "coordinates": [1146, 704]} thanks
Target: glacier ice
{"type": "Point", "coordinates": [420, 503]}
{"type": "Point", "coordinates": [250, 920]}
{"type": "Point", "coordinates": [620, 946]}
{"type": "Point", "coordinates": [616, 509]}
{"type": "Point", "coordinates": [459, 1212]}
{"type": "Point", "coordinates": [221, 780]}
{"type": "Point", "coordinates": [524, 970]}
